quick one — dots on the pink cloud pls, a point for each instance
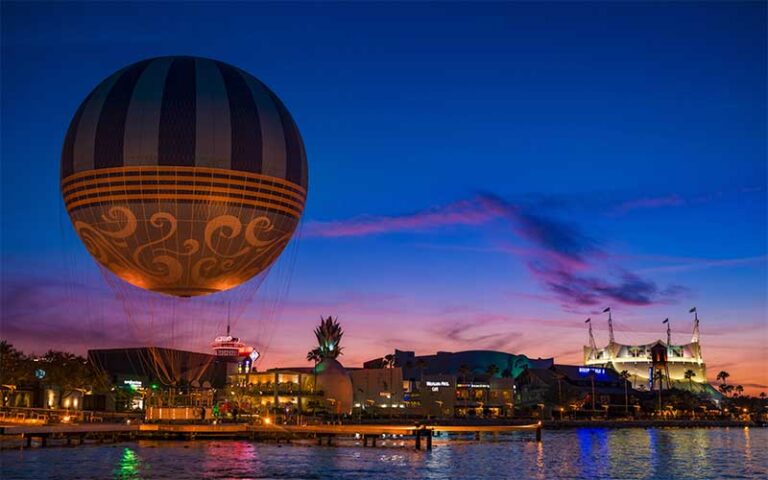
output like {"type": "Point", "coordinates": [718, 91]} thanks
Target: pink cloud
{"type": "Point", "coordinates": [650, 202]}
{"type": "Point", "coordinates": [463, 212]}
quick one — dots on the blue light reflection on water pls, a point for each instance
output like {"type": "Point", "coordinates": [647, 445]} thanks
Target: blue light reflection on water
{"type": "Point", "coordinates": [575, 454]}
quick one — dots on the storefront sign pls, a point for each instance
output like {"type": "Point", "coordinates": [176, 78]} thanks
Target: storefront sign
{"type": "Point", "coordinates": [441, 383]}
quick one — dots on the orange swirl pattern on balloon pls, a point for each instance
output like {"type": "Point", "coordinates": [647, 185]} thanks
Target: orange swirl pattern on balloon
{"type": "Point", "coordinates": [183, 247]}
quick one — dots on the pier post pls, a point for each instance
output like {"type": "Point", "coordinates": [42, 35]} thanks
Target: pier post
{"type": "Point", "coordinates": [44, 441]}
{"type": "Point", "coordinates": [538, 432]}
{"type": "Point", "coordinates": [429, 440]}
{"type": "Point", "coordinates": [418, 439]}
{"type": "Point", "coordinates": [328, 442]}
{"type": "Point", "coordinates": [477, 435]}
{"type": "Point", "coordinates": [319, 440]}
{"type": "Point", "coordinates": [373, 440]}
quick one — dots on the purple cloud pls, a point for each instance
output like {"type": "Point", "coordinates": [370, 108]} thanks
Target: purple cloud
{"type": "Point", "coordinates": [463, 212]}
{"type": "Point", "coordinates": [650, 202]}
{"type": "Point", "coordinates": [560, 254]}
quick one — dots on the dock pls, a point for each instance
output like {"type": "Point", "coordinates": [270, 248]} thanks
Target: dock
{"type": "Point", "coordinates": [323, 433]}
{"type": "Point", "coordinates": [72, 434]}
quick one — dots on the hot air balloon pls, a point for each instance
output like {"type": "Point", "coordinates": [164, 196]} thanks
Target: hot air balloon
{"type": "Point", "coordinates": [183, 175]}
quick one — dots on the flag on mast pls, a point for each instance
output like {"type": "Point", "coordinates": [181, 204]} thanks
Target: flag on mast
{"type": "Point", "coordinates": [607, 310]}
{"type": "Point", "coordinates": [693, 309]}
{"type": "Point", "coordinates": [665, 321]}
{"type": "Point", "coordinates": [587, 320]}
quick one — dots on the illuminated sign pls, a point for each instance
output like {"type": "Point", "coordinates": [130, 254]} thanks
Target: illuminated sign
{"type": "Point", "coordinates": [586, 370]}
{"type": "Point", "coordinates": [134, 384]}
{"type": "Point", "coordinates": [441, 383]}
{"type": "Point", "coordinates": [254, 355]}
{"type": "Point", "coordinates": [474, 385]}
{"type": "Point", "coordinates": [227, 352]}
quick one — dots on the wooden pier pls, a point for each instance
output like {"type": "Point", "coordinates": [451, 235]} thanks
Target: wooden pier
{"type": "Point", "coordinates": [324, 434]}
{"type": "Point", "coordinates": [72, 434]}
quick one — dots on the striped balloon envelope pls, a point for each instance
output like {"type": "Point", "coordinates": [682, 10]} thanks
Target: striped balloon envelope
{"type": "Point", "coordinates": [183, 175]}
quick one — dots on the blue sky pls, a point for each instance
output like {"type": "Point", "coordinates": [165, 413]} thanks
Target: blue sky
{"type": "Point", "coordinates": [477, 158]}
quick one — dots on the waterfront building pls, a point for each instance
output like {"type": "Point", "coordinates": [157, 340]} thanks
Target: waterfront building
{"type": "Point", "coordinates": [140, 374]}
{"type": "Point", "coordinates": [637, 359]}
{"type": "Point", "coordinates": [446, 384]}
{"type": "Point", "coordinates": [378, 388]}
{"type": "Point", "coordinates": [572, 387]}
{"type": "Point", "coordinates": [278, 390]}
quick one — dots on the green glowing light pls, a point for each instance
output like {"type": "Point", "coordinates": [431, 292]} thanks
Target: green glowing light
{"type": "Point", "coordinates": [129, 465]}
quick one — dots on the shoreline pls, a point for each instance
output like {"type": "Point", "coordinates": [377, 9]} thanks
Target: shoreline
{"type": "Point", "coordinates": [12, 437]}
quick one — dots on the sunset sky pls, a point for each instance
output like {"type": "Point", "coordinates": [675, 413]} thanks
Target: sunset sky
{"type": "Point", "coordinates": [481, 176]}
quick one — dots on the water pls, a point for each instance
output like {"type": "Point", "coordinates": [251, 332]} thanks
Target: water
{"type": "Point", "coordinates": [588, 453]}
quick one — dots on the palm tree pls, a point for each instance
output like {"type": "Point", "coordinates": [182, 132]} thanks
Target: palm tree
{"type": "Point", "coordinates": [725, 389]}
{"type": "Point", "coordinates": [739, 390]}
{"type": "Point", "coordinates": [389, 363]}
{"type": "Point", "coordinates": [625, 376]}
{"type": "Point", "coordinates": [723, 375]}
{"type": "Point", "coordinates": [560, 377]}
{"type": "Point", "coordinates": [491, 371]}
{"type": "Point", "coordinates": [762, 395]}
{"type": "Point", "coordinates": [314, 355]}
{"type": "Point", "coordinates": [661, 376]}
{"type": "Point", "coordinates": [389, 360]}
{"type": "Point", "coordinates": [464, 372]}
{"type": "Point", "coordinates": [689, 374]}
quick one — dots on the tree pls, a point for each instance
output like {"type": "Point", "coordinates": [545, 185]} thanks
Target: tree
{"type": "Point", "coordinates": [464, 373]}
{"type": "Point", "coordinates": [661, 376]}
{"type": "Point", "coordinates": [389, 360]}
{"type": "Point", "coordinates": [624, 374]}
{"type": "Point", "coordinates": [328, 336]}
{"type": "Point", "coordinates": [389, 363]}
{"type": "Point", "coordinates": [491, 371]}
{"type": "Point", "coordinates": [762, 395]}
{"type": "Point", "coordinates": [69, 372]}
{"type": "Point", "coordinates": [722, 376]}
{"type": "Point", "coordinates": [725, 389]}
{"type": "Point", "coordinates": [689, 374]}
{"type": "Point", "coordinates": [560, 377]}
{"type": "Point", "coordinates": [314, 355]}
{"type": "Point", "coordinates": [16, 368]}
{"type": "Point", "coordinates": [739, 390]}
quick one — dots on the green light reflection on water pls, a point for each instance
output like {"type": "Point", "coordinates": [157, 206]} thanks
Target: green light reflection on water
{"type": "Point", "coordinates": [129, 466]}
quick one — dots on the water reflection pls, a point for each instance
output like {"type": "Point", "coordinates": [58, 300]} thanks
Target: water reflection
{"type": "Point", "coordinates": [128, 468]}
{"type": "Point", "coordinates": [575, 454]}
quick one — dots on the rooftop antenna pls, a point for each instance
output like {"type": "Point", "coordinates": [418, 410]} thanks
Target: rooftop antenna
{"type": "Point", "coordinates": [696, 334]}
{"type": "Point", "coordinates": [610, 326]}
{"type": "Point", "coordinates": [229, 305]}
{"type": "Point", "coordinates": [592, 345]}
